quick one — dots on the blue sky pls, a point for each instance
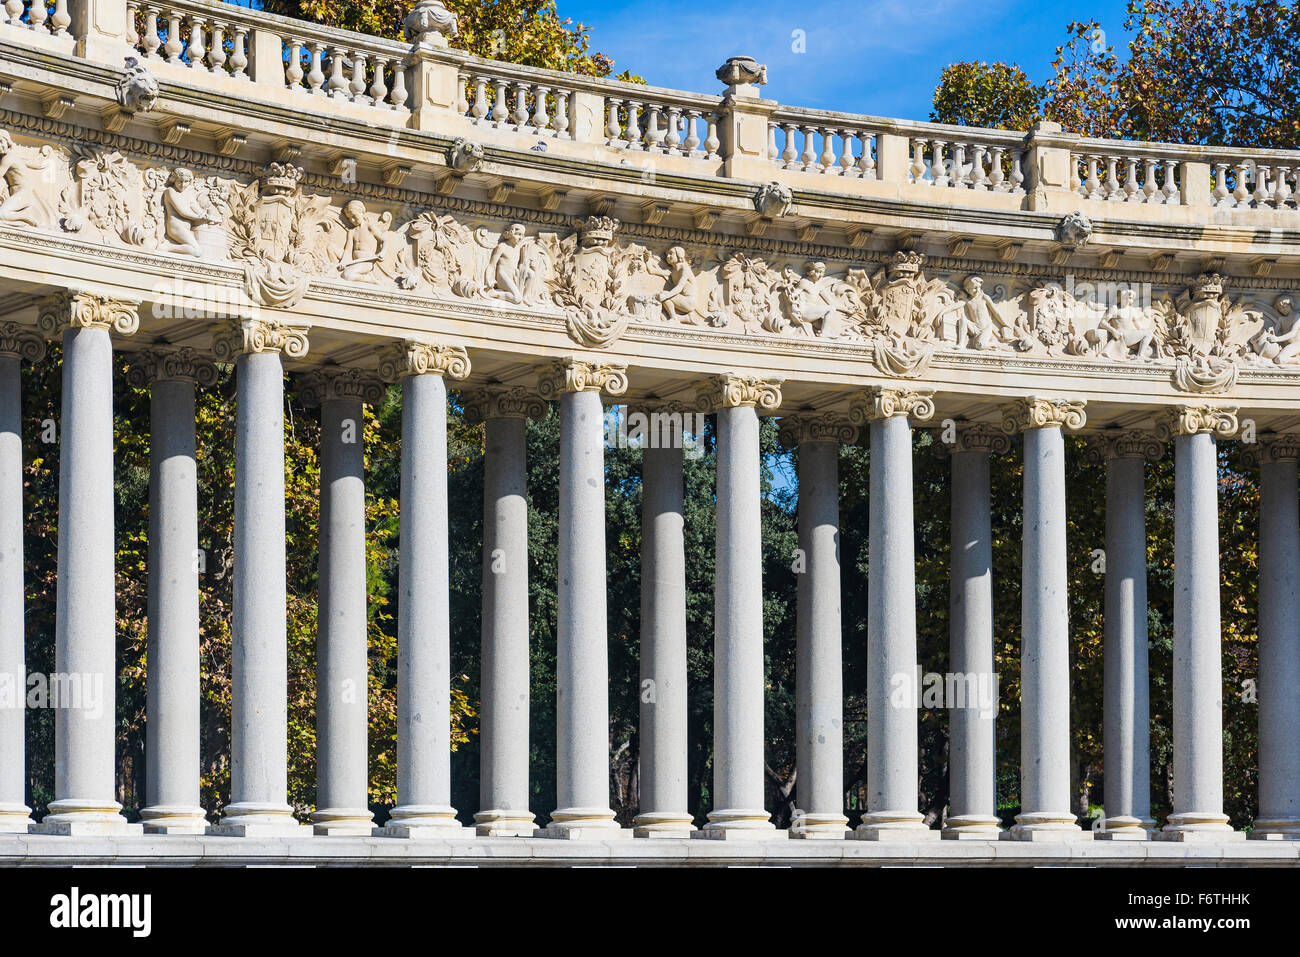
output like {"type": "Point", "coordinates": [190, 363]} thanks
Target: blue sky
{"type": "Point", "coordinates": [880, 57]}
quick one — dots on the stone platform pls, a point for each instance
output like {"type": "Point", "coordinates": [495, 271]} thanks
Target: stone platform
{"type": "Point", "coordinates": [183, 850]}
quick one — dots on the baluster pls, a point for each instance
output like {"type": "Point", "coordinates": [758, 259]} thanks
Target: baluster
{"type": "Point", "coordinates": [217, 48]}
{"type": "Point", "coordinates": [1132, 190]}
{"type": "Point", "coordinates": [293, 66]}
{"type": "Point", "coordinates": [1076, 180]}
{"type": "Point", "coordinates": [1171, 182]}
{"type": "Point", "coordinates": [378, 87]}
{"type": "Point", "coordinates": [938, 165]}
{"type": "Point", "coordinates": [196, 51]}
{"type": "Point", "coordinates": [867, 161]}
{"type": "Point", "coordinates": [462, 104]}
{"type": "Point", "coordinates": [789, 154]}
{"type": "Point", "coordinates": [151, 38]}
{"type": "Point", "coordinates": [239, 55]}
{"type": "Point", "coordinates": [60, 19]}
{"type": "Point", "coordinates": [1221, 193]}
{"type": "Point", "coordinates": [562, 113]}
{"type": "Point", "coordinates": [14, 13]}
{"type": "Point", "coordinates": [520, 116]}
{"type": "Point", "coordinates": [996, 176]}
{"type": "Point", "coordinates": [358, 86]}
{"type": "Point", "coordinates": [612, 128]}
{"type": "Point", "coordinates": [480, 108]}
{"type": "Point", "coordinates": [693, 134]}
{"type": "Point", "coordinates": [1017, 171]}
{"type": "Point", "coordinates": [316, 76]}
{"type": "Point", "coordinates": [132, 13]}
{"type": "Point", "coordinates": [848, 162]}
{"type": "Point", "coordinates": [540, 118]}
{"type": "Point", "coordinates": [978, 179]}
{"type": "Point", "coordinates": [809, 157]}
{"type": "Point", "coordinates": [173, 47]}
{"type": "Point", "coordinates": [398, 95]}
{"type": "Point", "coordinates": [1281, 188]}
{"type": "Point", "coordinates": [673, 136]}
{"type": "Point", "coordinates": [917, 169]}
{"type": "Point", "coordinates": [1261, 186]}
{"type": "Point", "coordinates": [1240, 194]}
{"type": "Point", "coordinates": [959, 176]}
{"type": "Point", "coordinates": [711, 142]}
{"type": "Point", "coordinates": [773, 154]}
{"type": "Point", "coordinates": [634, 125]}
{"type": "Point", "coordinates": [36, 15]}
{"type": "Point", "coordinates": [828, 151]}
{"type": "Point", "coordinates": [654, 134]}
{"type": "Point", "coordinates": [1149, 180]}
{"type": "Point", "coordinates": [1112, 179]}
{"type": "Point", "coordinates": [1092, 186]}
{"type": "Point", "coordinates": [500, 110]}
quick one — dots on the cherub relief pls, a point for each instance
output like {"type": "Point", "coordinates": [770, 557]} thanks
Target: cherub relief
{"type": "Point", "coordinates": [366, 243]}
{"type": "Point", "coordinates": [680, 296]}
{"type": "Point", "coordinates": [22, 203]}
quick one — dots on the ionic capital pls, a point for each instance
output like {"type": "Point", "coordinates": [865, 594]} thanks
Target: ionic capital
{"type": "Point", "coordinates": [82, 310]}
{"type": "Point", "coordinates": [1220, 421]}
{"type": "Point", "coordinates": [1272, 448]}
{"type": "Point", "coordinates": [652, 403]}
{"type": "Point", "coordinates": [161, 365]}
{"type": "Point", "coordinates": [579, 375]}
{"type": "Point", "coordinates": [1033, 412]}
{"type": "Point", "coordinates": [502, 402]}
{"type": "Point", "coordinates": [974, 437]}
{"type": "Point", "coordinates": [21, 342]}
{"type": "Point", "coordinates": [729, 390]}
{"type": "Point", "coordinates": [324, 385]}
{"type": "Point", "coordinates": [411, 357]}
{"type": "Point", "coordinates": [256, 336]}
{"type": "Point", "coordinates": [881, 402]}
{"type": "Point", "coordinates": [1123, 444]}
{"type": "Point", "coordinates": [804, 427]}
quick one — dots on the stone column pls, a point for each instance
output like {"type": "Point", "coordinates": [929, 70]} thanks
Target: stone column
{"type": "Point", "coordinates": [738, 680]}
{"type": "Point", "coordinates": [663, 773]}
{"type": "Point", "coordinates": [1198, 667]}
{"type": "Point", "coordinates": [891, 619]}
{"type": "Point", "coordinates": [259, 777]}
{"type": "Point", "coordinates": [1127, 685]}
{"type": "Point", "coordinates": [172, 683]}
{"type": "Point", "coordinates": [423, 594]}
{"type": "Point", "coordinates": [342, 639]}
{"type": "Point", "coordinates": [1044, 622]}
{"type": "Point", "coordinates": [972, 722]}
{"type": "Point", "coordinates": [1279, 637]}
{"type": "Point", "coordinates": [83, 688]}
{"type": "Point", "coordinates": [504, 662]}
{"type": "Point", "coordinates": [16, 343]}
{"type": "Point", "coordinates": [582, 654]}
{"type": "Point", "coordinates": [819, 711]}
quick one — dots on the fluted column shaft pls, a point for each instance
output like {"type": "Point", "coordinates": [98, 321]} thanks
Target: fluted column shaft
{"type": "Point", "coordinates": [342, 659]}
{"type": "Point", "coordinates": [172, 719]}
{"type": "Point", "coordinates": [972, 744]}
{"type": "Point", "coordinates": [663, 693]}
{"type": "Point", "coordinates": [1279, 641]}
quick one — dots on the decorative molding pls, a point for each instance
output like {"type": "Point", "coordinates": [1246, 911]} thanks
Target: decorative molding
{"type": "Point", "coordinates": [1123, 444]}
{"type": "Point", "coordinates": [1272, 448]}
{"type": "Point", "coordinates": [82, 310]}
{"type": "Point", "coordinates": [21, 342]}
{"type": "Point", "coordinates": [1033, 412]}
{"type": "Point", "coordinates": [975, 437]}
{"type": "Point", "coordinates": [882, 402]}
{"type": "Point", "coordinates": [729, 390]}
{"type": "Point", "coordinates": [1220, 421]}
{"type": "Point", "coordinates": [571, 374]}
{"type": "Point", "coordinates": [333, 383]}
{"type": "Point", "coordinates": [800, 428]}
{"type": "Point", "coordinates": [411, 357]}
{"type": "Point", "coordinates": [256, 336]}
{"type": "Point", "coordinates": [502, 402]}
{"type": "Point", "coordinates": [161, 364]}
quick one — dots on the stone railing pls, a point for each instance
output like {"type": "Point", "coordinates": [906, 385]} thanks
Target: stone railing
{"type": "Point", "coordinates": [26, 15]}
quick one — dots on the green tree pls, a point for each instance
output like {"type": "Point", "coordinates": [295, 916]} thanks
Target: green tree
{"type": "Point", "coordinates": [992, 95]}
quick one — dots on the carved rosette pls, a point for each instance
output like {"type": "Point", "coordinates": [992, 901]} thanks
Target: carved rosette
{"type": "Point", "coordinates": [325, 385]}
{"type": "Point", "coordinates": [1123, 444]}
{"type": "Point", "coordinates": [1220, 421]}
{"type": "Point", "coordinates": [1272, 448]}
{"type": "Point", "coordinates": [410, 357]}
{"type": "Point", "coordinates": [82, 310]}
{"type": "Point", "coordinates": [579, 375]}
{"type": "Point", "coordinates": [1032, 412]}
{"type": "Point", "coordinates": [976, 437]}
{"type": "Point", "coordinates": [500, 402]}
{"type": "Point", "coordinates": [21, 342]}
{"type": "Point", "coordinates": [254, 336]}
{"type": "Point", "coordinates": [803, 427]}
{"type": "Point", "coordinates": [164, 365]}
{"type": "Point", "coordinates": [885, 403]}
{"type": "Point", "coordinates": [728, 391]}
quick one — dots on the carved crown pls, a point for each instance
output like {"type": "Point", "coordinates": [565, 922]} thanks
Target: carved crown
{"type": "Point", "coordinates": [1208, 284]}
{"type": "Point", "coordinates": [598, 229]}
{"type": "Point", "coordinates": [905, 263]}
{"type": "Point", "coordinates": [281, 179]}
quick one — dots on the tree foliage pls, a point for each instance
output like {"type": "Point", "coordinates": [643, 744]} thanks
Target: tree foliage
{"type": "Point", "coordinates": [992, 95]}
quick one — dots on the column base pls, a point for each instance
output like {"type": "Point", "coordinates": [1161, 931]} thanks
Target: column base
{"type": "Point", "coordinates": [1047, 827]}
{"type": "Point", "coordinates": [1274, 829]}
{"type": "Point", "coordinates": [740, 825]}
{"type": "Point", "coordinates": [895, 826]}
{"type": "Point", "coordinates": [663, 824]}
{"type": "Point", "coordinates": [503, 823]}
{"type": "Point", "coordinates": [342, 822]}
{"type": "Point", "coordinates": [251, 819]}
{"type": "Point", "coordinates": [1200, 827]}
{"type": "Point", "coordinates": [424, 821]}
{"type": "Point", "coordinates": [1124, 828]}
{"type": "Point", "coordinates": [584, 824]}
{"type": "Point", "coordinates": [15, 818]}
{"type": "Point", "coordinates": [174, 819]}
{"type": "Point", "coordinates": [74, 817]}
{"type": "Point", "coordinates": [971, 827]}
{"type": "Point", "coordinates": [820, 827]}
